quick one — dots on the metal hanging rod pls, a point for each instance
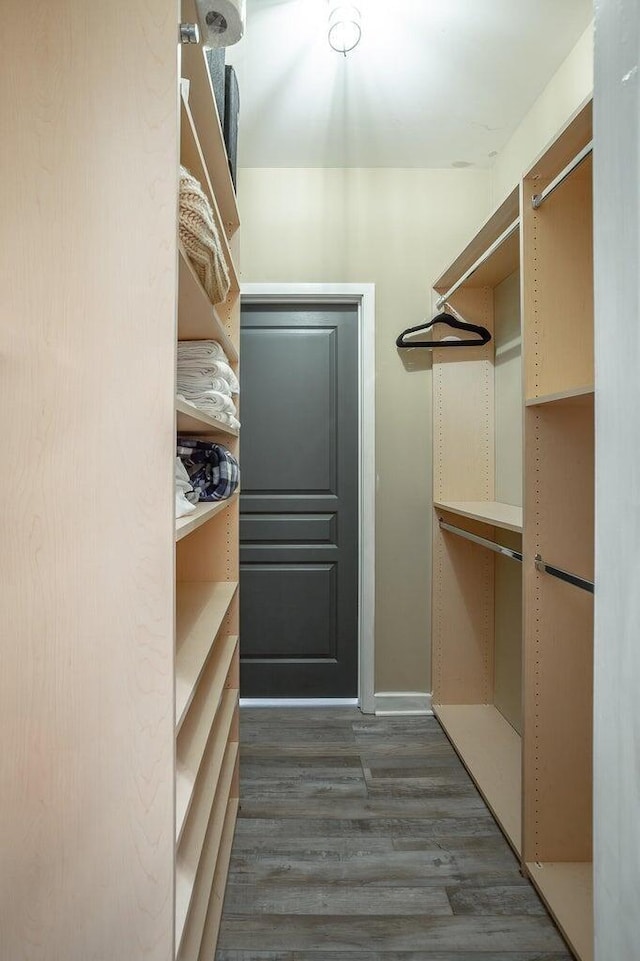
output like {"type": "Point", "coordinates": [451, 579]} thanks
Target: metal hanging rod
{"type": "Point", "coordinates": [538, 199]}
{"type": "Point", "coordinates": [479, 262]}
{"type": "Point", "coordinates": [482, 541]}
{"type": "Point", "coordinates": [545, 568]}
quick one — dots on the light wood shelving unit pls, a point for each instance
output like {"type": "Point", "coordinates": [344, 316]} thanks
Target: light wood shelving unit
{"type": "Point", "coordinates": [477, 632]}
{"type": "Point", "coordinates": [207, 573]}
{"type": "Point", "coordinates": [559, 526]}
{"type": "Point", "coordinates": [512, 645]}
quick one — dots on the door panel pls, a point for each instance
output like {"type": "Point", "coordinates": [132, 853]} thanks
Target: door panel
{"type": "Point", "coordinates": [310, 528]}
{"type": "Point", "coordinates": [294, 610]}
{"type": "Point", "coordinates": [299, 502]}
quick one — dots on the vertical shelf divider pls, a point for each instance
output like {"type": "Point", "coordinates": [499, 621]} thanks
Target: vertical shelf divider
{"type": "Point", "coordinates": [207, 564]}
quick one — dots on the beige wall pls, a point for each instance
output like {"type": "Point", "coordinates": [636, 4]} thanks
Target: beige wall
{"type": "Point", "coordinates": [397, 229]}
{"type": "Point", "coordinates": [571, 84]}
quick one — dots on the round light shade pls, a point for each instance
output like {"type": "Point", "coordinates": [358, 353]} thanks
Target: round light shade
{"type": "Point", "coordinates": [344, 27]}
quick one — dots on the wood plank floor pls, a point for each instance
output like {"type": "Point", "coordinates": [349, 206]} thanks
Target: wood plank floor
{"type": "Point", "coordinates": [364, 839]}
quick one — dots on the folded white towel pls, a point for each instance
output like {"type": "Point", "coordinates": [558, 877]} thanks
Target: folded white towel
{"type": "Point", "coordinates": [201, 350]}
{"type": "Point", "coordinates": [186, 496]}
{"type": "Point", "coordinates": [190, 373]}
{"type": "Point", "coordinates": [209, 400]}
{"type": "Point", "coordinates": [230, 420]}
{"type": "Point", "coordinates": [195, 380]}
{"type": "Point", "coordinates": [203, 382]}
{"type": "Point", "coordinates": [221, 415]}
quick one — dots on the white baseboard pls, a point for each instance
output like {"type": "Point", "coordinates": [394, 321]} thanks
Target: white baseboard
{"type": "Point", "coordinates": [298, 702]}
{"type": "Point", "coordinates": [402, 702]}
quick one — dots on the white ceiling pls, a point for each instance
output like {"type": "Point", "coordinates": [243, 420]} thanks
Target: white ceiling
{"type": "Point", "coordinates": [433, 83]}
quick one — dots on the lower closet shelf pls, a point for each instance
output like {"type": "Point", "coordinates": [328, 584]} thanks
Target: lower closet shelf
{"type": "Point", "coordinates": [200, 839]}
{"type": "Point", "coordinates": [212, 721]}
{"type": "Point", "coordinates": [204, 512]}
{"type": "Point", "coordinates": [217, 887]}
{"type": "Point", "coordinates": [567, 890]}
{"type": "Point", "coordinates": [492, 753]}
{"type": "Point", "coordinates": [200, 610]}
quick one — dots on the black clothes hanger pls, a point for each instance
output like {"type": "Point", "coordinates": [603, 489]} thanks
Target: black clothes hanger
{"type": "Point", "coordinates": [445, 318]}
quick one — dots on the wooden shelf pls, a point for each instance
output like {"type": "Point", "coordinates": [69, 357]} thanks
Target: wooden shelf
{"type": "Point", "coordinates": [501, 264]}
{"type": "Point", "coordinates": [212, 713]}
{"type": "Point", "coordinates": [209, 808]}
{"type": "Point", "coordinates": [200, 610]}
{"type": "Point", "coordinates": [202, 514]}
{"type": "Point", "coordinates": [192, 158]}
{"type": "Point", "coordinates": [505, 516]}
{"type": "Point", "coordinates": [197, 317]}
{"type": "Point", "coordinates": [491, 751]}
{"type": "Point", "coordinates": [217, 887]}
{"type": "Point", "coordinates": [190, 420]}
{"type": "Point", "coordinates": [577, 132]}
{"type": "Point", "coordinates": [567, 890]}
{"type": "Point", "coordinates": [574, 396]}
{"type": "Point", "coordinates": [202, 103]}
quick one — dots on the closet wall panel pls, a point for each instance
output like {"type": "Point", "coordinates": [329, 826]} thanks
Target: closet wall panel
{"type": "Point", "coordinates": [559, 289]}
{"type": "Point", "coordinates": [463, 434]}
{"type": "Point", "coordinates": [508, 390]}
{"type": "Point", "coordinates": [617, 602]}
{"type": "Point", "coordinates": [86, 592]}
{"type": "Point", "coordinates": [462, 616]}
{"type": "Point", "coordinates": [508, 634]}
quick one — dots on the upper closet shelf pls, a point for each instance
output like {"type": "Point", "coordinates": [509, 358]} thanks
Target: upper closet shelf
{"type": "Point", "coordinates": [502, 262]}
{"type": "Point", "coordinates": [192, 157]}
{"type": "Point", "coordinates": [574, 396]}
{"type": "Point", "coordinates": [197, 317]}
{"type": "Point", "coordinates": [204, 512]}
{"type": "Point", "coordinates": [505, 516]}
{"type": "Point", "coordinates": [203, 107]}
{"type": "Point", "coordinates": [569, 141]}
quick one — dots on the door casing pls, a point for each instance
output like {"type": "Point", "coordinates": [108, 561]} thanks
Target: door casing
{"type": "Point", "coordinates": [363, 297]}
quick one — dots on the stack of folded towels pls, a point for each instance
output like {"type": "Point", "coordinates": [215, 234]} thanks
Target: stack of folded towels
{"type": "Point", "coordinates": [206, 380]}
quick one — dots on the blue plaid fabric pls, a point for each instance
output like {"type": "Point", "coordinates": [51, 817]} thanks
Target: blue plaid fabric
{"type": "Point", "coordinates": [213, 471]}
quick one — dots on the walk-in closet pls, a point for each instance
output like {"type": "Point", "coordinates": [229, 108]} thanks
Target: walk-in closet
{"type": "Point", "coordinates": [319, 337]}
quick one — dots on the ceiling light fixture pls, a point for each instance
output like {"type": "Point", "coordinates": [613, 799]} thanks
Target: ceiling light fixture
{"type": "Point", "coordinates": [345, 29]}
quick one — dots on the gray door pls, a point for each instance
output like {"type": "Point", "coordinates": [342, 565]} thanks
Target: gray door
{"type": "Point", "coordinates": [299, 502]}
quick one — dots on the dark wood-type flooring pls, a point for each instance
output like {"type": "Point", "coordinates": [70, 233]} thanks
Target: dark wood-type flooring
{"type": "Point", "coordinates": [364, 839]}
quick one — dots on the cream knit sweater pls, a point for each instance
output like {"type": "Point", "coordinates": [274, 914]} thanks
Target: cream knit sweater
{"type": "Point", "coordinates": [199, 237]}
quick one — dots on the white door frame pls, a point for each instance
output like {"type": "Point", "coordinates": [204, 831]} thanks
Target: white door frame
{"type": "Point", "coordinates": [363, 297]}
